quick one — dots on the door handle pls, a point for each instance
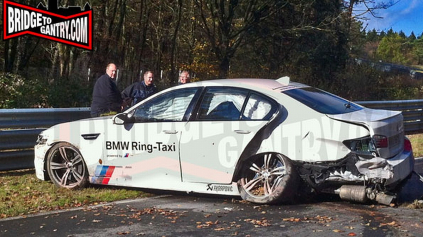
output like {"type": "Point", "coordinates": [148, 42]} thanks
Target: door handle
{"type": "Point", "coordinates": [242, 131]}
{"type": "Point", "coordinates": [170, 131]}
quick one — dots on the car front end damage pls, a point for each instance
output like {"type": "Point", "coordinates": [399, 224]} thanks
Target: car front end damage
{"type": "Point", "coordinates": [40, 150]}
{"type": "Point", "coordinates": [375, 166]}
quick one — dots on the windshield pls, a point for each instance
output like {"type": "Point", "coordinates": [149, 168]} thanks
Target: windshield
{"type": "Point", "coordinates": [322, 101]}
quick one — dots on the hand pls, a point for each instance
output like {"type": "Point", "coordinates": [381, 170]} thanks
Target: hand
{"type": "Point", "coordinates": [126, 102]}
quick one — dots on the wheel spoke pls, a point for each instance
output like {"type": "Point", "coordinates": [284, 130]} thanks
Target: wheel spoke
{"type": "Point", "coordinates": [62, 151]}
{"type": "Point", "coordinates": [269, 188]}
{"type": "Point", "coordinates": [57, 166]}
{"type": "Point", "coordinates": [278, 171]}
{"type": "Point", "coordinates": [64, 178]}
{"type": "Point", "coordinates": [275, 184]}
{"type": "Point", "coordinates": [267, 159]}
{"type": "Point", "coordinates": [77, 175]}
{"type": "Point", "coordinates": [78, 159]}
{"type": "Point", "coordinates": [252, 183]}
{"type": "Point", "coordinates": [255, 168]}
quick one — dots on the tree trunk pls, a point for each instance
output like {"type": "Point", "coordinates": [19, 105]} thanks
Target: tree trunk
{"type": "Point", "coordinates": [174, 70]}
{"type": "Point", "coordinates": [224, 67]}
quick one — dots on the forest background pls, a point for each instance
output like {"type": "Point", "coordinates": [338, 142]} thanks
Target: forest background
{"type": "Point", "coordinates": [318, 43]}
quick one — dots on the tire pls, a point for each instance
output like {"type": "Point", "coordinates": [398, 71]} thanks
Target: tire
{"type": "Point", "coordinates": [66, 166]}
{"type": "Point", "coordinates": [267, 179]}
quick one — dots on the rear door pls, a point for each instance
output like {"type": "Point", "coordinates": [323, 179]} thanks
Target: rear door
{"type": "Point", "coordinates": [227, 120]}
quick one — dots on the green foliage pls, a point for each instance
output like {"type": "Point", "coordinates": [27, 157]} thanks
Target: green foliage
{"type": "Point", "coordinates": [66, 94]}
{"type": "Point", "coordinates": [391, 49]}
{"type": "Point", "coordinates": [372, 36]}
{"type": "Point", "coordinates": [418, 50]}
{"type": "Point", "coordinates": [365, 83]}
{"type": "Point", "coordinates": [8, 85]}
{"type": "Point", "coordinates": [17, 92]}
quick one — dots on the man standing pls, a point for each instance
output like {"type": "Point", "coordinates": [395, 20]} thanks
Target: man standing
{"type": "Point", "coordinates": [140, 90]}
{"type": "Point", "coordinates": [183, 77]}
{"type": "Point", "coordinates": [106, 96]}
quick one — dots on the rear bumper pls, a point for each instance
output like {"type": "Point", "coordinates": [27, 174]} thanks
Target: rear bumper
{"type": "Point", "coordinates": [393, 170]}
{"type": "Point", "coordinates": [402, 165]}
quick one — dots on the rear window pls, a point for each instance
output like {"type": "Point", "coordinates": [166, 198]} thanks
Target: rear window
{"type": "Point", "coordinates": [322, 101]}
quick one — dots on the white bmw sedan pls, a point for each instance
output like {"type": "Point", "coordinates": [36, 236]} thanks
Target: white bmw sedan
{"type": "Point", "coordinates": [266, 140]}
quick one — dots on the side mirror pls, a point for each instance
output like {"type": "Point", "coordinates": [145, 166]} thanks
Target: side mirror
{"type": "Point", "coordinates": [120, 119]}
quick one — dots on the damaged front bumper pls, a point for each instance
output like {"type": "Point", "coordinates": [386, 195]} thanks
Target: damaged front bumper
{"type": "Point", "coordinates": [40, 151]}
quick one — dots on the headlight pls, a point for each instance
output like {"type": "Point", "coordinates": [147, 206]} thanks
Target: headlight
{"type": "Point", "coordinates": [42, 139]}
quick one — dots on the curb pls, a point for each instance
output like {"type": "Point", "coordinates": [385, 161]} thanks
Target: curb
{"type": "Point", "coordinates": [418, 165]}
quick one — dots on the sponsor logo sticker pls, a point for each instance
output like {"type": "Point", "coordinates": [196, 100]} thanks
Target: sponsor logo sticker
{"type": "Point", "coordinates": [219, 188]}
{"type": "Point", "coordinates": [137, 146]}
{"type": "Point", "coordinates": [71, 25]}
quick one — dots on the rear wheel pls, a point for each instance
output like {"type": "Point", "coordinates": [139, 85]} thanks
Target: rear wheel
{"type": "Point", "coordinates": [268, 178]}
{"type": "Point", "coordinates": [66, 167]}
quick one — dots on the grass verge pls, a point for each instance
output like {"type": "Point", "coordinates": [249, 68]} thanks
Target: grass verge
{"type": "Point", "coordinates": [417, 144]}
{"type": "Point", "coordinates": [22, 193]}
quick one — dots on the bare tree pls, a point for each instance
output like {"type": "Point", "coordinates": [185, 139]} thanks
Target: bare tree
{"type": "Point", "coordinates": [226, 23]}
{"type": "Point", "coordinates": [358, 9]}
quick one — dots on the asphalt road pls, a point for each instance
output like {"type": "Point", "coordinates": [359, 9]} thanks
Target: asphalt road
{"type": "Point", "coordinates": [179, 214]}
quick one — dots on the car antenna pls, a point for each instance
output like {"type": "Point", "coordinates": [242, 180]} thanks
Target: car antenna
{"type": "Point", "coordinates": [284, 80]}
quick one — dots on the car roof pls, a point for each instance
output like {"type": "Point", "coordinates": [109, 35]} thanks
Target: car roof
{"type": "Point", "coordinates": [260, 84]}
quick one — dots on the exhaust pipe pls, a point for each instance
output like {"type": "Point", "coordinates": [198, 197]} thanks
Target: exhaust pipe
{"type": "Point", "coordinates": [362, 194]}
{"type": "Point", "coordinates": [385, 199]}
{"type": "Point", "coordinates": [353, 193]}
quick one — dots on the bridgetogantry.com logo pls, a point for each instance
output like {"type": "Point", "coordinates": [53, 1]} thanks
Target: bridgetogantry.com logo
{"type": "Point", "coordinates": [70, 25]}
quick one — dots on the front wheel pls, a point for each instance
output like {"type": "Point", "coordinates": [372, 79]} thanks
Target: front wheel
{"type": "Point", "coordinates": [66, 167]}
{"type": "Point", "coordinates": [268, 178]}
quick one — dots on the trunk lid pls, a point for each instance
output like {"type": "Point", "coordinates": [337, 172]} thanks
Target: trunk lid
{"type": "Point", "coordinates": [385, 123]}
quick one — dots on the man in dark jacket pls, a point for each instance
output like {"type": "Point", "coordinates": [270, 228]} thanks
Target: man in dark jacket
{"type": "Point", "coordinates": [140, 90]}
{"type": "Point", "coordinates": [106, 96]}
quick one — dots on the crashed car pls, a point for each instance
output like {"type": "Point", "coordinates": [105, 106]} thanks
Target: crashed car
{"type": "Point", "coordinates": [265, 140]}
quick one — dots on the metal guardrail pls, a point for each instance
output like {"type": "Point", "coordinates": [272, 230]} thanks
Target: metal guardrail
{"type": "Point", "coordinates": [412, 110]}
{"type": "Point", "coordinates": [19, 128]}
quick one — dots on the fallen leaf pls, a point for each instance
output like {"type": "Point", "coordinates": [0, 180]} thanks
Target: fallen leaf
{"type": "Point", "coordinates": [123, 233]}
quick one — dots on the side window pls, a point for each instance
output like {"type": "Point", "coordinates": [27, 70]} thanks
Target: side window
{"type": "Point", "coordinates": [223, 104]}
{"type": "Point", "coordinates": [257, 108]}
{"type": "Point", "coordinates": [167, 107]}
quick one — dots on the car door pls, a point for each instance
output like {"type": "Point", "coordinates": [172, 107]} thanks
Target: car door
{"type": "Point", "coordinates": [145, 152]}
{"type": "Point", "coordinates": [227, 120]}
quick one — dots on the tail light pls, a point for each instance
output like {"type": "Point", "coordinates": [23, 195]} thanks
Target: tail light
{"type": "Point", "coordinates": [380, 141]}
{"type": "Point", "coordinates": [407, 145]}
{"type": "Point", "coordinates": [362, 146]}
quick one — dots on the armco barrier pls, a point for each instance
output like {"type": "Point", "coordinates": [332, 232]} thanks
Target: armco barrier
{"type": "Point", "coordinates": [412, 110]}
{"type": "Point", "coordinates": [20, 127]}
